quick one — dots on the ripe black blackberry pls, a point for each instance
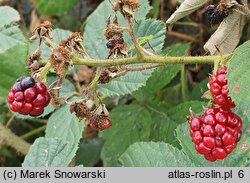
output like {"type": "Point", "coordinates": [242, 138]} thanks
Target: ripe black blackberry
{"type": "Point", "coordinates": [216, 14]}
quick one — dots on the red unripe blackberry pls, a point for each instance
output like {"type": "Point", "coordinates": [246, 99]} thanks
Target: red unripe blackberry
{"type": "Point", "coordinates": [28, 97]}
{"type": "Point", "coordinates": [100, 122]}
{"type": "Point", "coordinates": [215, 133]}
{"type": "Point", "coordinates": [219, 89]}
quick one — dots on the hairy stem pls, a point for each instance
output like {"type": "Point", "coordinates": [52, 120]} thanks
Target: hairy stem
{"type": "Point", "coordinates": [10, 121]}
{"type": "Point", "coordinates": [138, 48]}
{"type": "Point", "coordinates": [96, 78]}
{"type": "Point", "coordinates": [193, 24]}
{"type": "Point", "coordinates": [165, 60]}
{"type": "Point", "coordinates": [183, 83]}
{"type": "Point", "coordinates": [48, 42]}
{"type": "Point", "coordinates": [9, 138]}
{"type": "Point", "coordinates": [183, 36]}
{"type": "Point", "coordinates": [92, 85]}
{"type": "Point", "coordinates": [33, 132]}
{"type": "Point", "coordinates": [38, 120]}
{"type": "Point", "coordinates": [44, 72]}
{"type": "Point", "coordinates": [136, 68]}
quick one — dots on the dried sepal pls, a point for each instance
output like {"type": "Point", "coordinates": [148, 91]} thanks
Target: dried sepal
{"type": "Point", "coordinates": [113, 29]}
{"type": "Point", "coordinates": [107, 75]}
{"type": "Point", "coordinates": [126, 7]}
{"type": "Point", "coordinates": [56, 101]}
{"type": "Point", "coordinates": [117, 48]}
{"type": "Point", "coordinates": [114, 34]}
{"type": "Point", "coordinates": [42, 30]}
{"type": "Point", "coordinates": [207, 95]}
{"type": "Point", "coordinates": [101, 110]}
{"type": "Point", "coordinates": [60, 60]}
{"type": "Point", "coordinates": [33, 65]}
{"type": "Point", "coordinates": [82, 108]}
{"type": "Point", "coordinates": [54, 91]}
{"type": "Point", "coordinates": [74, 43]}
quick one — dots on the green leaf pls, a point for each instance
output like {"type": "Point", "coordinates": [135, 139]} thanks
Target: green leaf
{"type": "Point", "coordinates": [172, 93]}
{"type": "Point", "coordinates": [50, 152]}
{"type": "Point", "coordinates": [149, 28]}
{"type": "Point", "coordinates": [188, 148]}
{"type": "Point", "coordinates": [89, 152]}
{"type": "Point", "coordinates": [125, 84]}
{"type": "Point", "coordinates": [178, 113]}
{"type": "Point", "coordinates": [12, 66]}
{"type": "Point", "coordinates": [130, 123]}
{"type": "Point", "coordinates": [64, 125]}
{"type": "Point", "coordinates": [238, 78]}
{"type": "Point", "coordinates": [166, 74]}
{"type": "Point", "coordinates": [13, 50]}
{"type": "Point", "coordinates": [162, 125]}
{"type": "Point", "coordinates": [165, 121]}
{"type": "Point", "coordinates": [10, 36]}
{"type": "Point", "coordinates": [199, 90]}
{"type": "Point", "coordinates": [8, 16]}
{"type": "Point", "coordinates": [160, 78]}
{"type": "Point", "coordinates": [151, 154]}
{"type": "Point", "coordinates": [177, 50]}
{"type": "Point", "coordinates": [54, 7]}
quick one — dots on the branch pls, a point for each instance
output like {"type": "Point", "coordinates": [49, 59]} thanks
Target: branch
{"type": "Point", "coordinates": [44, 72]}
{"type": "Point", "coordinates": [165, 60]}
{"type": "Point", "coordinates": [138, 48]}
{"type": "Point", "coordinates": [183, 36]}
{"type": "Point", "coordinates": [136, 68]}
{"type": "Point", "coordinates": [33, 132]}
{"type": "Point", "coordinates": [9, 138]}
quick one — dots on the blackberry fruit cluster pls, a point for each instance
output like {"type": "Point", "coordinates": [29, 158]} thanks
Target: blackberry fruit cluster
{"type": "Point", "coordinates": [217, 132]}
{"type": "Point", "coordinates": [28, 97]}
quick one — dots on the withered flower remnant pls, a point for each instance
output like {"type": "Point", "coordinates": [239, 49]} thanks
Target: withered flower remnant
{"type": "Point", "coordinates": [74, 44]}
{"type": "Point", "coordinates": [42, 30]}
{"type": "Point", "coordinates": [60, 60]}
{"type": "Point", "coordinates": [82, 108]}
{"type": "Point", "coordinates": [114, 34]}
{"type": "Point", "coordinates": [126, 7]}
